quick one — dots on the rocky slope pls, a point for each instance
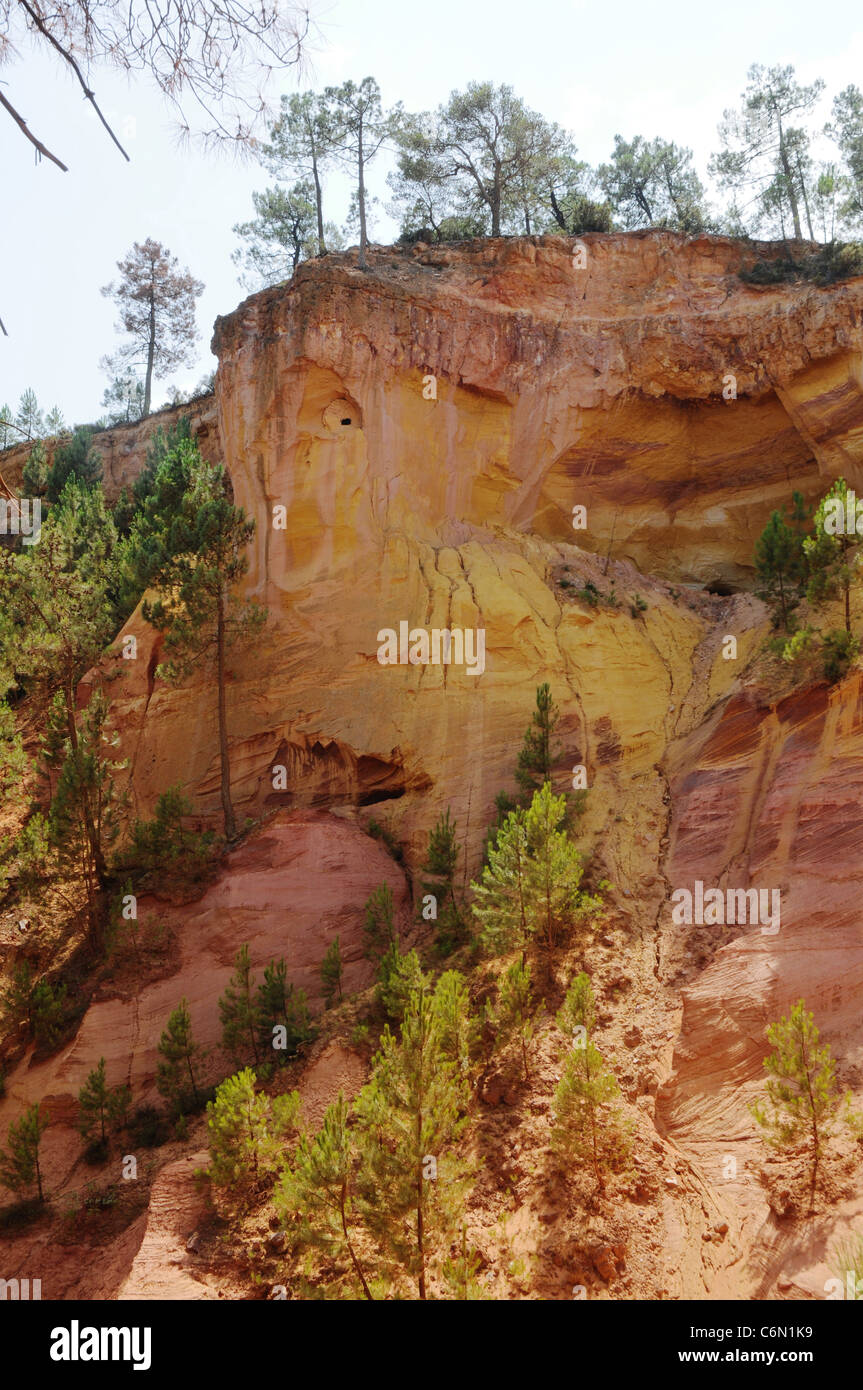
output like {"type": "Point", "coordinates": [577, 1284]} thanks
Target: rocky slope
{"type": "Point", "coordinates": [412, 442]}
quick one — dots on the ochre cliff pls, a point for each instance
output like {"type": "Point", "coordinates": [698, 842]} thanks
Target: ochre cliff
{"type": "Point", "coordinates": [427, 427]}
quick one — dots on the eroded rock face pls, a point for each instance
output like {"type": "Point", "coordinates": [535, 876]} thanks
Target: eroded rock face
{"type": "Point", "coordinates": [606, 386]}
{"type": "Point", "coordinates": [447, 504]}
{"type": "Point", "coordinates": [769, 795]}
{"type": "Point", "coordinates": [411, 442]}
{"type": "Point", "coordinates": [288, 891]}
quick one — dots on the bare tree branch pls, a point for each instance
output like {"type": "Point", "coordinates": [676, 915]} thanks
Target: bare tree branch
{"type": "Point", "coordinates": [221, 53]}
{"type": "Point", "coordinates": [3, 326]}
{"type": "Point", "coordinates": [22, 124]}
{"type": "Point", "coordinates": [91, 97]}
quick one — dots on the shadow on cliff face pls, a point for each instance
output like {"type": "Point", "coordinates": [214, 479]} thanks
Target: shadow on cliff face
{"type": "Point", "coordinates": [317, 772]}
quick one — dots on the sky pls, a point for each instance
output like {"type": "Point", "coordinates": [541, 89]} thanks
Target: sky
{"type": "Point", "coordinates": [663, 68]}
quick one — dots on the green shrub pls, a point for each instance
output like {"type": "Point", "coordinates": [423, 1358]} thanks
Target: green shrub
{"type": "Point", "coordinates": [836, 261]}
{"type": "Point", "coordinates": [840, 650]}
{"type": "Point", "coordinates": [589, 594]}
{"type": "Point", "coordinates": [148, 1128]}
{"type": "Point", "coordinates": [165, 845]}
{"type": "Point", "coordinates": [387, 839]}
{"type": "Point", "coordinates": [398, 976]}
{"type": "Point", "coordinates": [76, 460]}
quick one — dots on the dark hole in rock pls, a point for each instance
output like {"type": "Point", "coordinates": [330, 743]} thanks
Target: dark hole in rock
{"type": "Point", "coordinates": [346, 422]}
{"type": "Point", "coordinates": [721, 589]}
{"type": "Point", "coordinates": [372, 798]}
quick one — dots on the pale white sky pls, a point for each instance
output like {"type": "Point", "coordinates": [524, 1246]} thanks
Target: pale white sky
{"type": "Point", "coordinates": [667, 67]}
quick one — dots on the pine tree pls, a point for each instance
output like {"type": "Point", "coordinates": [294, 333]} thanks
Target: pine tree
{"type": "Point", "coordinates": [317, 1190]}
{"type": "Point", "coordinates": [54, 422]}
{"type": "Point", "coordinates": [176, 1074]}
{"type": "Point", "coordinates": [102, 1106]}
{"type": "Point", "coordinates": [501, 902]}
{"type": "Point", "coordinates": [802, 1096]}
{"type": "Point", "coordinates": [34, 476]}
{"type": "Point", "coordinates": [651, 183]}
{"type": "Point", "coordinates": [412, 1184]}
{"type": "Point", "coordinates": [18, 994]}
{"type": "Point", "coordinates": [13, 759]}
{"type": "Point", "coordinates": [83, 821]}
{"type": "Point", "coordinates": [246, 1135]}
{"type": "Point", "coordinates": [517, 1018]}
{"type": "Point", "coordinates": [379, 932]}
{"type": "Point", "coordinates": [281, 235]}
{"type": "Point", "coordinates": [531, 884]}
{"type": "Point", "coordinates": [302, 143]}
{"type": "Point", "coordinates": [554, 870]}
{"type": "Point", "coordinates": [357, 128]}
{"type": "Point", "coordinates": [459, 1026]}
{"type": "Point", "coordinates": [8, 434]}
{"type": "Point", "coordinates": [399, 974]}
{"type": "Point", "coordinates": [833, 551]}
{"type": "Point", "coordinates": [38, 1003]}
{"type": "Point", "coordinates": [156, 301]}
{"type": "Point", "coordinates": [588, 1124]}
{"type": "Point", "coordinates": [440, 864]}
{"type": "Point", "coordinates": [780, 563]}
{"type": "Point", "coordinates": [538, 752]}
{"type": "Point", "coordinates": [189, 543]}
{"type": "Point", "coordinates": [19, 1168]}
{"type": "Point", "coordinates": [76, 459]}
{"type": "Point", "coordinates": [764, 148]}
{"type": "Point", "coordinates": [58, 612]}
{"type": "Point", "coordinates": [331, 972]}
{"type": "Point", "coordinates": [577, 1014]}
{"type": "Point", "coordinates": [124, 399]}
{"type": "Point", "coordinates": [238, 1011]}
{"type": "Point", "coordinates": [29, 418]}
{"type": "Point", "coordinates": [280, 1005]}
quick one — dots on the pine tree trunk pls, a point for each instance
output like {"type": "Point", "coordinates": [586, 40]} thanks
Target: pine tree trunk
{"type": "Point", "coordinates": [555, 208]}
{"type": "Point", "coordinates": [192, 1077]}
{"type": "Point", "coordinates": [94, 868]}
{"type": "Point", "coordinates": [806, 203]}
{"type": "Point", "coordinates": [495, 202]}
{"type": "Point", "coordinates": [421, 1234]}
{"type": "Point", "coordinates": [319, 204]}
{"type": "Point", "coordinates": [361, 196]}
{"type": "Point", "coordinates": [789, 184]}
{"type": "Point", "coordinates": [151, 353]}
{"type": "Point", "coordinates": [98, 858]}
{"type": "Point", "coordinates": [224, 756]}
{"type": "Point", "coordinates": [38, 1176]}
{"type": "Point", "coordinates": [354, 1261]}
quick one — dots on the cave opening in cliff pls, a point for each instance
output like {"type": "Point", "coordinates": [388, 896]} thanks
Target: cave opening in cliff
{"type": "Point", "coordinates": [722, 589]}
{"type": "Point", "coordinates": [384, 794]}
